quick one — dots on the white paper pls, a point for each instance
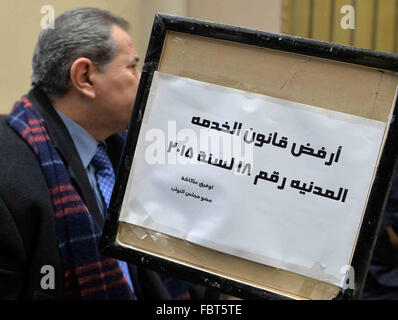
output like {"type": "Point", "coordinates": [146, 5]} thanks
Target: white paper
{"type": "Point", "coordinates": [270, 222]}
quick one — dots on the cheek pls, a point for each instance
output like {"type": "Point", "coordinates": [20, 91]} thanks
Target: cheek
{"type": "Point", "coordinates": [132, 86]}
{"type": "Point", "coordinates": [135, 79]}
{"type": "Point", "coordinates": [124, 89]}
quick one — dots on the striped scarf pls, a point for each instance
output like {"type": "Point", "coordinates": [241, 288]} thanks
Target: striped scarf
{"type": "Point", "coordinates": [88, 275]}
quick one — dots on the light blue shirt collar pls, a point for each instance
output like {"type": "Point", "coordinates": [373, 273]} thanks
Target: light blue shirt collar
{"type": "Point", "coordinates": [84, 142]}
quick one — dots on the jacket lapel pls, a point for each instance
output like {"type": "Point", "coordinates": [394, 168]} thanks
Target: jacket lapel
{"type": "Point", "coordinates": [64, 144]}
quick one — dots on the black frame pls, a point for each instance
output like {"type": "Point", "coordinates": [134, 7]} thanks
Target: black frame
{"type": "Point", "coordinates": [379, 190]}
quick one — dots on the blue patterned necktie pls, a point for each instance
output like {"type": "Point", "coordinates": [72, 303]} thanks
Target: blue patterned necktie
{"type": "Point", "coordinates": [104, 172]}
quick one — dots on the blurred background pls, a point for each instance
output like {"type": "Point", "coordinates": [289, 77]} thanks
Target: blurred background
{"type": "Point", "coordinates": [370, 24]}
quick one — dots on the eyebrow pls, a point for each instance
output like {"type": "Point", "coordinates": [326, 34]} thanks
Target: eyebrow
{"type": "Point", "coordinates": [134, 60]}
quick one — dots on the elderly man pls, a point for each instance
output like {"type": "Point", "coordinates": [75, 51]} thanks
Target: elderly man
{"type": "Point", "coordinates": [60, 148]}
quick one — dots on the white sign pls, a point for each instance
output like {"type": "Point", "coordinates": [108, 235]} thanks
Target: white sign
{"type": "Point", "coordinates": [269, 180]}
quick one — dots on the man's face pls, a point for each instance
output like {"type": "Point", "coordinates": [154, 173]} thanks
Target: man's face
{"type": "Point", "coordinates": [116, 86]}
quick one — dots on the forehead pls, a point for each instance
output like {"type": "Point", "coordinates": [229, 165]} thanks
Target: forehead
{"type": "Point", "coordinates": [123, 41]}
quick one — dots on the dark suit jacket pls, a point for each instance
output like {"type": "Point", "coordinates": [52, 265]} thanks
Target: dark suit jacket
{"type": "Point", "coordinates": [27, 224]}
{"type": "Point", "coordinates": [382, 278]}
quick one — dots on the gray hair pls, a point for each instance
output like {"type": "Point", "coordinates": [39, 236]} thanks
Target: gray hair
{"type": "Point", "coordinates": [81, 32]}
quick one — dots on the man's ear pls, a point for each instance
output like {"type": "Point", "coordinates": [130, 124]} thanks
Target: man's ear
{"type": "Point", "coordinates": [80, 74]}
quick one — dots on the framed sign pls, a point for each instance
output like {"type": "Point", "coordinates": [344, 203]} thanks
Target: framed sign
{"type": "Point", "coordinates": [255, 163]}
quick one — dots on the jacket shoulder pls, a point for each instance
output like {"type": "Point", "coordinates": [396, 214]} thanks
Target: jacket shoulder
{"type": "Point", "coordinates": [20, 172]}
